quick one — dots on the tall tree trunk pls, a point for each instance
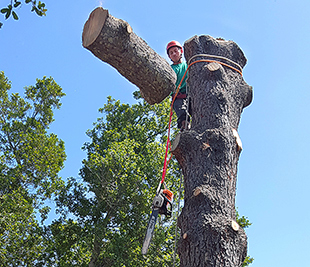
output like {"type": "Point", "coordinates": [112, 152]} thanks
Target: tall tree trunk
{"type": "Point", "coordinates": [113, 41]}
{"type": "Point", "coordinates": [209, 153]}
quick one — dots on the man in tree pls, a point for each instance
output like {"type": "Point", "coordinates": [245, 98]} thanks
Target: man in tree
{"type": "Point", "coordinates": [175, 52]}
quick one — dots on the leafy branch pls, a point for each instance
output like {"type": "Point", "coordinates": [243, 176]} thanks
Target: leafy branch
{"type": "Point", "coordinates": [10, 10]}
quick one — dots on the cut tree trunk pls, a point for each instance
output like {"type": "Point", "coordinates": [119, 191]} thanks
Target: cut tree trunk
{"type": "Point", "coordinates": [113, 41]}
{"type": "Point", "coordinates": [208, 154]}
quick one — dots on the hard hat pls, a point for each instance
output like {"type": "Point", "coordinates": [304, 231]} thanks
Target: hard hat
{"type": "Point", "coordinates": [172, 44]}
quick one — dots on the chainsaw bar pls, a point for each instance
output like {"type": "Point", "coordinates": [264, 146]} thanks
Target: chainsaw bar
{"type": "Point", "coordinates": [150, 231]}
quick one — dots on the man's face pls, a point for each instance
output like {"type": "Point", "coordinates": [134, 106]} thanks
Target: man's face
{"type": "Point", "coordinates": [175, 54]}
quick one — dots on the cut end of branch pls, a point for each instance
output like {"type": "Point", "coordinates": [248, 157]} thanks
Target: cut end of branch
{"type": "Point", "coordinates": [213, 66]}
{"type": "Point", "coordinates": [175, 142]}
{"type": "Point", "coordinates": [93, 26]}
{"type": "Point", "coordinates": [235, 225]}
{"type": "Point", "coordinates": [129, 29]}
{"type": "Point", "coordinates": [238, 140]}
{"type": "Point", "coordinates": [197, 191]}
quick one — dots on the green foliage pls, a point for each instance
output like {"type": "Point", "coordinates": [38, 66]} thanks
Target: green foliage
{"type": "Point", "coordinates": [119, 180]}
{"type": "Point", "coordinates": [30, 157]}
{"type": "Point", "coordinates": [244, 223]}
{"type": "Point", "coordinates": [248, 260]}
{"type": "Point", "coordinates": [66, 244]}
{"type": "Point", "coordinates": [21, 241]}
{"type": "Point", "coordinates": [30, 160]}
{"type": "Point", "coordinates": [9, 10]}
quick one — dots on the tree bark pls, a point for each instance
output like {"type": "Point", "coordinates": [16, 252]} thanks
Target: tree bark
{"type": "Point", "coordinates": [209, 154]}
{"type": "Point", "coordinates": [113, 41]}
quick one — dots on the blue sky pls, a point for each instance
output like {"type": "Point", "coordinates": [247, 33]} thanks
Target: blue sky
{"type": "Point", "coordinates": [273, 178]}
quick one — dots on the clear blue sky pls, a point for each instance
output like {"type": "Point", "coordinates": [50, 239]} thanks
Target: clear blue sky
{"type": "Point", "coordinates": [273, 179]}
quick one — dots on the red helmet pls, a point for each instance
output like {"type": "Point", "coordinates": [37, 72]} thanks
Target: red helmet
{"type": "Point", "coordinates": [172, 44]}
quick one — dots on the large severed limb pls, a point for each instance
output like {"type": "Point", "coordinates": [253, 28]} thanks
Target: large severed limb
{"type": "Point", "coordinates": [113, 41]}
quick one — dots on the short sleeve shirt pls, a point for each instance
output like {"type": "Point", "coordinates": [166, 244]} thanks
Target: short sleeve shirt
{"type": "Point", "coordinates": [180, 69]}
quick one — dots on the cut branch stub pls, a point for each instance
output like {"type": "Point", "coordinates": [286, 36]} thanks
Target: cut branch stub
{"type": "Point", "coordinates": [113, 41]}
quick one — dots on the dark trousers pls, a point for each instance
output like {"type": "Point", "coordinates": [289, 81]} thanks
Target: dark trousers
{"type": "Point", "coordinates": [180, 109]}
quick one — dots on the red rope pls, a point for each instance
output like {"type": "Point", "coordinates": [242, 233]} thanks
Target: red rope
{"type": "Point", "coordinates": [169, 127]}
{"type": "Point", "coordinates": [167, 148]}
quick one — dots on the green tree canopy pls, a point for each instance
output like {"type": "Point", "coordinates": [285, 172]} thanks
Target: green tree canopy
{"type": "Point", "coordinates": [30, 157]}
{"type": "Point", "coordinates": [119, 180]}
{"type": "Point", "coordinates": [30, 160]}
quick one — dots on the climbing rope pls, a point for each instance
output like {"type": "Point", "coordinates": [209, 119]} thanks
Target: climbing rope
{"type": "Point", "coordinates": [219, 57]}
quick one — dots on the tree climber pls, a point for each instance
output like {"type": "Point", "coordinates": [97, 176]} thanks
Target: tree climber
{"type": "Point", "coordinates": [175, 51]}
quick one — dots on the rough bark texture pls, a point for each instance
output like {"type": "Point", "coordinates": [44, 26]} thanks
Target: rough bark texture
{"type": "Point", "coordinates": [113, 41]}
{"type": "Point", "coordinates": [208, 155]}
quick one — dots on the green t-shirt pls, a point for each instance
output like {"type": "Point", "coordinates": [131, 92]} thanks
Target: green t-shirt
{"type": "Point", "coordinates": [180, 69]}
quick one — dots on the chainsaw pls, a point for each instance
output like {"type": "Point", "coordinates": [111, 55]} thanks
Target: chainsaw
{"type": "Point", "coordinates": [162, 204]}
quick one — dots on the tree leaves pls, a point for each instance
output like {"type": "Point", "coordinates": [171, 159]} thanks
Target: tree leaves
{"type": "Point", "coordinates": [20, 235]}
{"type": "Point", "coordinates": [244, 222]}
{"type": "Point", "coordinates": [30, 160]}
{"type": "Point", "coordinates": [37, 7]}
{"type": "Point", "coordinates": [29, 154]}
{"type": "Point", "coordinates": [119, 180]}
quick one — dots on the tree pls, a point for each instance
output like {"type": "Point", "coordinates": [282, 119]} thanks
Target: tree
{"type": "Point", "coordinates": [119, 179]}
{"type": "Point", "coordinates": [9, 10]}
{"type": "Point", "coordinates": [208, 154]}
{"type": "Point", "coordinates": [21, 241]}
{"type": "Point", "coordinates": [30, 160]}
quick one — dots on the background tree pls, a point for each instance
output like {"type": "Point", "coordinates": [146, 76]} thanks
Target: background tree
{"type": "Point", "coordinates": [30, 160]}
{"type": "Point", "coordinates": [244, 223]}
{"type": "Point", "coordinates": [120, 176]}
{"type": "Point", "coordinates": [10, 10]}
